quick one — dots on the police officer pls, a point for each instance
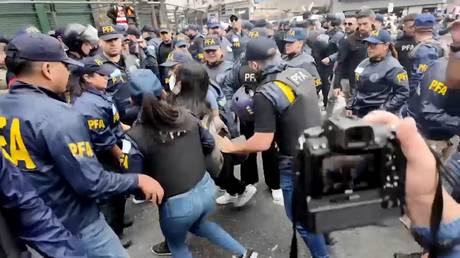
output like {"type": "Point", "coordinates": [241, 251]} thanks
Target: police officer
{"type": "Point", "coordinates": [80, 40]}
{"type": "Point", "coordinates": [297, 58]}
{"type": "Point", "coordinates": [30, 219]}
{"type": "Point", "coordinates": [381, 81]}
{"type": "Point", "coordinates": [406, 42]}
{"type": "Point", "coordinates": [111, 43]}
{"type": "Point", "coordinates": [214, 28]}
{"type": "Point", "coordinates": [379, 22]}
{"type": "Point", "coordinates": [165, 47]}
{"type": "Point", "coordinates": [426, 51]}
{"type": "Point", "coordinates": [176, 57]}
{"type": "Point", "coordinates": [280, 34]}
{"type": "Point", "coordinates": [196, 42]}
{"type": "Point", "coordinates": [237, 37]}
{"type": "Point", "coordinates": [54, 149]}
{"type": "Point", "coordinates": [285, 104]}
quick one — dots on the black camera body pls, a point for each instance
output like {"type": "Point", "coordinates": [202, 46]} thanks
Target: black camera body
{"type": "Point", "coordinates": [351, 174]}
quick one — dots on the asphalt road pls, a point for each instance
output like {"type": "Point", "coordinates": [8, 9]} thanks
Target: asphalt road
{"type": "Point", "coordinates": [263, 226]}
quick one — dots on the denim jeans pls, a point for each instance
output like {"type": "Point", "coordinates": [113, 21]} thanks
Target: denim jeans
{"type": "Point", "coordinates": [315, 243]}
{"type": "Point", "coordinates": [188, 212]}
{"type": "Point", "coordinates": [448, 233]}
{"type": "Point", "coordinates": [99, 240]}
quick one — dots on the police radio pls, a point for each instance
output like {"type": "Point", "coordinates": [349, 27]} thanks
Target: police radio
{"type": "Point", "coordinates": [351, 174]}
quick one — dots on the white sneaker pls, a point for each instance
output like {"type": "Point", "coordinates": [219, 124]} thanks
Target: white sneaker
{"type": "Point", "coordinates": [246, 196]}
{"type": "Point", "coordinates": [136, 201]}
{"type": "Point", "coordinates": [248, 254]}
{"type": "Point", "coordinates": [278, 197]}
{"type": "Point", "coordinates": [226, 198]}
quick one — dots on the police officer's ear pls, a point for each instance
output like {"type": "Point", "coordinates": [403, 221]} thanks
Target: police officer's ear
{"type": "Point", "coordinates": [47, 70]}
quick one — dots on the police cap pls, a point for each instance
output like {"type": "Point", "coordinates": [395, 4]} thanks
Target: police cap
{"type": "Point", "coordinates": [213, 23]}
{"type": "Point", "coordinates": [425, 21]}
{"type": "Point", "coordinates": [92, 65]}
{"type": "Point", "coordinates": [258, 33]}
{"type": "Point", "coordinates": [148, 28]}
{"type": "Point", "coordinates": [378, 37]}
{"type": "Point", "coordinates": [177, 57]}
{"type": "Point", "coordinates": [380, 18]}
{"type": "Point", "coordinates": [211, 42]}
{"type": "Point", "coordinates": [108, 32]}
{"type": "Point", "coordinates": [295, 34]}
{"type": "Point", "coordinates": [38, 47]}
{"type": "Point", "coordinates": [260, 49]}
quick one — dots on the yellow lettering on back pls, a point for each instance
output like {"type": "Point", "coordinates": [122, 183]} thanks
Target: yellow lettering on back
{"type": "Point", "coordinates": [18, 149]}
{"type": "Point", "coordinates": [81, 149]}
{"type": "Point", "coordinates": [438, 87]}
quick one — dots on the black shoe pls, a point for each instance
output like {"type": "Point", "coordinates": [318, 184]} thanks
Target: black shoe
{"type": "Point", "coordinates": [161, 249]}
{"type": "Point", "coordinates": [413, 255]}
{"type": "Point", "coordinates": [125, 242]}
{"type": "Point", "coordinates": [127, 221]}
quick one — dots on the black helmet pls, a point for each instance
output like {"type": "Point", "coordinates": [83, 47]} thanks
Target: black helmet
{"type": "Point", "coordinates": [76, 34]}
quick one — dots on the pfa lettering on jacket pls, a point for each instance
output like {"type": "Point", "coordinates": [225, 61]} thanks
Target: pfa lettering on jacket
{"type": "Point", "coordinates": [13, 147]}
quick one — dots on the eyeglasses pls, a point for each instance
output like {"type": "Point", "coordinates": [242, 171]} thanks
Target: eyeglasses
{"type": "Point", "coordinates": [209, 51]}
{"type": "Point", "coordinates": [348, 24]}
{"type": "Point", "coordinates": [164, 32]}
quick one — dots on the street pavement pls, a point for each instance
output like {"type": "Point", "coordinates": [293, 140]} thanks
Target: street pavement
{"type": "Point", "coordinates": [263, 226]}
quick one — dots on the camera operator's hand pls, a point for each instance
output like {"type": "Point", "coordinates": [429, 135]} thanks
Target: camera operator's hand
{"type": "Point", "coordinates": [421, 175]}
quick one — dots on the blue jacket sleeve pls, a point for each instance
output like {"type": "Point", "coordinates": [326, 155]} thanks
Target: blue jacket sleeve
{"type": "Point", "coordinates": [132, 160]}
{"type": "Point", "coordinates": [33, 221]}
{"type": "Point", "coordinates": [69, 146]}
{"type": "Point", "coordinates": [228, 85]}
{"type": "Point", "coordinates": [423, 58]}
{"type": "Point", "coordinates": [399, 95]}
{"type": "Point", "coordinates": [100, 132]}
{"type": "Point", "coordinates": [207, 141]}
{"type": "Point", "coordinates": [211, 98]}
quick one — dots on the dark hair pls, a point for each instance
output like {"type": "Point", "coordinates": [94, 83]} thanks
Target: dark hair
{"type": "Point", "coordinates": [194, 87]}
{"type": "Point", "coordinates": [77, 85]}
{"type": "Point", "coordinates": [19, 66]}
{"type": "Point", "coordinates": [392, 49]}
{"type": "Point", "coordinates": [158, 113]}
{"type": "Point", "coordinates": [409, 17]}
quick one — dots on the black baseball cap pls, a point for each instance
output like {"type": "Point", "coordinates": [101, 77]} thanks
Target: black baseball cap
{"type": "Point", "coordinates": [177, 57]}
{"type": "Point", "coordinates": [91, 65]}
{"type": "Point", "coordinates": [260, 49]}
{"type": "Point", "coordinates": [233, 17]}
{"type": "Point", "coordinates": [108, 32]}
{"type": "Point", "coordinates": [211, 42]}
{"type": "Point", "coordinates": [38, 47]}
{"type": "Point", "coordinates": [164, 29]}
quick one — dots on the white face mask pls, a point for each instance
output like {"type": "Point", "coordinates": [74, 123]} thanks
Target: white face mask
{"type": "Point", "coordinates": [172, 82]}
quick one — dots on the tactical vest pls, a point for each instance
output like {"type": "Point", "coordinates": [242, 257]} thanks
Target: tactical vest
{"type": "Point", "coordinates": [293, 86]}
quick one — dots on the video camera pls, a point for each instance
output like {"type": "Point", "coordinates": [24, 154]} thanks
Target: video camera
{"type": "Point", "coordinates": [351, 174]}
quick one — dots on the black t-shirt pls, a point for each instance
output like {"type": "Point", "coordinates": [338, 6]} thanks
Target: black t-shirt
{"type": "Point", "coordinates": [287, 127]}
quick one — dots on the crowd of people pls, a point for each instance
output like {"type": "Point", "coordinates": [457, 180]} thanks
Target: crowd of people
{"type": "Point", "coordinates": [89, 117]}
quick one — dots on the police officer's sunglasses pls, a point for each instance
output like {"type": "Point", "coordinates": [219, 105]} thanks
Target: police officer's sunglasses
{"type": "Point", "coordinates": [348, 24]}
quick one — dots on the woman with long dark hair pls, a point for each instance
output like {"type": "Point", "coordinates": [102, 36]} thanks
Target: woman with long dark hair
{"type": "Point", "coordinates": [173, 147]}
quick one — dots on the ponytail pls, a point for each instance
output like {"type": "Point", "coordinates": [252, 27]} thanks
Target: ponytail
{"type": "Point", "coordinates": [158, 112]}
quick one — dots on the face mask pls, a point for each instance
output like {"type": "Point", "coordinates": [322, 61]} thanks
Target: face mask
{"type": "Point", "coordinates": [172, 82]}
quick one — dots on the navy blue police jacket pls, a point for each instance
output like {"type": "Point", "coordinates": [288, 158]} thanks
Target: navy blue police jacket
{"type": "Point", "coordinates": [102, 119]}
{"type": "Point", "coordinates": [50, 143]}
{"type": "Point", "coordinates": [118, 88]}
{"type": "Point", "coordinates": [435, 106]}
{"type": "Point", "coordinates": [30, 219]}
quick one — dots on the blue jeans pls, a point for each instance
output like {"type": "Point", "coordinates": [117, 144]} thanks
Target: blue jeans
{"type": "Point", "coordinates": [99, 240]}
{"type": "Point", "coordinates": [188, 212]}
{"type": "Point", "coordinates": [315, 243]}
{"type": "Point", "coordinates": [446, 234]}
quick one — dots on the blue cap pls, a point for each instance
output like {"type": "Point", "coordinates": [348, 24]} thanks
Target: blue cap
{"type": "Point", "coordinates": [177, 57]}
{"type": "Point", "coordinates": [108, 32]}
{"type": "Point", "coordinates": [258, 33]}
{"type": "Point", "coordinates": [213, 23]}
{"type": "Point", "coordinates": [27, 29]}
{"type": "Point", "coordinates": [38, 47]}
{"type": "Point", "coordinates": [380, 18]}
{"type": "Point", "coordinates": [425, 21]}
{"type": "Point", "coordinates": [295, 34]}
{"type": "Point", "coordinates": [143, 81]}
{"type": "Point", "coordinates": [211, 42]}
{"type": "Point", "coordinates": [93, 65]}
{"type": "Point", "coordinates": [378, 36]}
{"type": "Point", "coordinates": [180, 43]}
{"type": "Point", "coordinates": [260, 49]}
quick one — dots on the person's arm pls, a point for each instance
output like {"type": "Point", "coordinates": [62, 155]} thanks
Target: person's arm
{"type": "Point", "coordinates": [229, 85]}
{"type": "Point", "coordinates": [399, 95]}
{"type": "Point", "coordinates": [264, 129]}
{"type": "Point", "coordinates": [70, 148]}
{"type": "Point", "coordinates": [453, 64]}
{"type": "Point", "coordinates": [98, 123]}
{"type": "Point", "coordinates": [33, 221]}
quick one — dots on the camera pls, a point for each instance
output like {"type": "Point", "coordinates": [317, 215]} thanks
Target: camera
{"type": "Point", "coordinates": [350, 174]}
